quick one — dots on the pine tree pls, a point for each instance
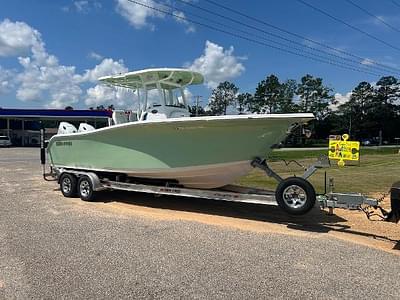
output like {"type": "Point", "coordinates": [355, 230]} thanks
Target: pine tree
{"type": "Point", "coordinates": [244, 102]}
{"type": "Point", "coordinates": [266, 97]}
{"type": "Point", "coordinates": [314, 96]}
{"type": "Point", "coordinates": [288, 91]}
{"type": "Point", "coordinates": [221, 97]}
{"type": "Point", "coordinates": [272, 96]}
{"type": "Point", "coordinates": [357, 111]}
{"type": "Point", "coordinates": [384, 108]}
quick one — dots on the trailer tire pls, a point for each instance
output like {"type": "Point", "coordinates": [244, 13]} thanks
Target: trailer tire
{"type": "Point", "coordinates": [295, 195]}
{"type": "Point", "coordinates": [85, 188]}
{"type": "Point", "coordinates": [68, 185]}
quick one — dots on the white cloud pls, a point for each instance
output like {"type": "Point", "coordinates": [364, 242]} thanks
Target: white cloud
{"type": "Point", "coordinates": [180, 18]}
{"type": "Point", "coordinates": [188, 95]}
{"type": "Point", "coordinates": [42, 76]}
{"type": "Point", "coordinates": [95, 55]}
{"type": "Point", "coordinates": [82, 6]}
{"type": "Point", "coordinates": [43, 79]}
{"type": "Point", "coordinates": [367, 62]}
{"type": "Point", "coordinates": [339, 100]}
{"type": "Point", "coordinates": [138, 15]}
{"type": "Point", "coordinates": [47, 79]}
{"type": "Point", "coordinates": [6, 80]}
{"type": "Point", "coordinates": [104, 95]}
{"type": "Point", "coordinates": [217, 64]}
{"type": "Point", "coordinates": [17, 38]}
{"type": "Point", "coordinates": [108, 66]}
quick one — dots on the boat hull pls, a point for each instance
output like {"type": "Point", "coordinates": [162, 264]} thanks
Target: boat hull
{"type": "Point", "coordinates": [197, 152]}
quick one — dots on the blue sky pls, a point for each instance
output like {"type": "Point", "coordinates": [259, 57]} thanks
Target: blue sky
{"type": "Point", "coordinates": [51, 52]}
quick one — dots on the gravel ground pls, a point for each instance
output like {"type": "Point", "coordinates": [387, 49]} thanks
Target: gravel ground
{"type": "Point", "coordinates": [55, 247]}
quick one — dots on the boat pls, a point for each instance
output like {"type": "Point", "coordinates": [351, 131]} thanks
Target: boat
{"type": "Point", "coordinates": [161, 141]}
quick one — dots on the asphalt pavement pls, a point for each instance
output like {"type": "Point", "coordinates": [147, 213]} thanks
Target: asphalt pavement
{"type": "Point", "coordinates": [53, 247]}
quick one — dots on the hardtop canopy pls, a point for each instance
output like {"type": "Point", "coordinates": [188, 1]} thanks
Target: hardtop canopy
{"type": "Point", "coordinates": [168, 78]}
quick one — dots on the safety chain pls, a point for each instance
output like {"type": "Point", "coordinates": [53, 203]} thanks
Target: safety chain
{"type": "Point", "coordinates": [370, 210]}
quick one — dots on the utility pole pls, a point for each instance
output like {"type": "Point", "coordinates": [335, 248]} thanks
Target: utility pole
{"type": "Point", "coordinates": [197, 104]}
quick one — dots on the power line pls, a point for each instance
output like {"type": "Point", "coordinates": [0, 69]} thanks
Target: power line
{"type": "Point", "coordinates": [372, 64]}
{"type": "Point", "coordinates": [273, 41]}
{"type": "Point", "coordinates": [372, 15]}
{"type": "Point", "coordinates": [252, 40]}
{"type": "Point", "coordinates": [395, 3]}
{"type": "Point", "coordinates": [348, 25]}
{"type": "Point", "coordinates": [296, 35]}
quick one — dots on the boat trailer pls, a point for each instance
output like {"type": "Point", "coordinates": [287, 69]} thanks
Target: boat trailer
{"type": "Point", "coordinates": [295, 195]}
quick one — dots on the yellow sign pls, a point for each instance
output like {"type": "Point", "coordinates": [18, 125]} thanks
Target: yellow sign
{"type": "Point", "coordinates": [344, 150]}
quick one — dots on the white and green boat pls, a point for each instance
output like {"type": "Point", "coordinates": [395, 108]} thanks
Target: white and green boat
{"type": "Point", "coordinates": [161, 141]}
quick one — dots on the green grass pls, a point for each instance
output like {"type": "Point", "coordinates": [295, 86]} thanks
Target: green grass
{"type": "Point", "coordinates": [376, 172]}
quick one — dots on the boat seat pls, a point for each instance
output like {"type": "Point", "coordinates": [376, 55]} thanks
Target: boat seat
{"type": "Point", "coordinates": [66, 128]}
{"type": "Point", "coordinates": [83, 127]}
{"type": "Point", "coordinates": [119, 117]}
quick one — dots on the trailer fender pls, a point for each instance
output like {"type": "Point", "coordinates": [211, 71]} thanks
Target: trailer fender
{"type": "Point", "coordinates": [96, 183]}
{"type": "Point", "coordinates": [97, 186]}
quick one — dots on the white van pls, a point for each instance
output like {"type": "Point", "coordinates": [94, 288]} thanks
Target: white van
{"type": "Point", "coordinates": [5, 141]}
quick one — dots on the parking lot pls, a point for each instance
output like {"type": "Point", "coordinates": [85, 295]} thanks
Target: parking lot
{"type": "Point", "coordinates": [141, 246]}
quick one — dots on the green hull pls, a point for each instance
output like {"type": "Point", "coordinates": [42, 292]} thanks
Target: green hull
{"type": "Point", "coordinates": [157, 146]}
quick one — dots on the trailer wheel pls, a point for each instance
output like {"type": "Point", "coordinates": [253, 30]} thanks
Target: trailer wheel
{"type": "Point", "coordinates": [295, 195]}
{"type": "Point", "coordinates": [85, 188]}
{"type": "Point", "coordinates": [68, 185]}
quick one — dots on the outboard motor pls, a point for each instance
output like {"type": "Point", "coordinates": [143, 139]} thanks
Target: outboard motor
{"type": "Point", "coordinates": [394, 214]}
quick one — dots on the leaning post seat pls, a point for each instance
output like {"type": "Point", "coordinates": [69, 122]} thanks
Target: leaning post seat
{"type": "Point", "coordinates": [66, 128]}
{"type": "Point", "coordinates": [84, 127]}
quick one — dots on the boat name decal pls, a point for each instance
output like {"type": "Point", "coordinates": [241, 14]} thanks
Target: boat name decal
{"type": "Point", "coordinates": [67, 143]}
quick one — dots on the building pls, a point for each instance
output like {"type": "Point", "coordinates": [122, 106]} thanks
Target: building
{"type": "Point", "coordinates": [23, 125]}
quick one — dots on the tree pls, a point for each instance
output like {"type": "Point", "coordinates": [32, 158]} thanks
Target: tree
{"type": "Point", "coordinates": [196, 109]}
{"type": "Point", "coordinates": [314, 96]}
{"type": "Point", "coordinates": [384, 108]}
{"type": "Point", "coordinates": [266, 97]}
{"type": "Point", "coordinates": [244, 101]}
{"type": "Point", "coordinates": [222, 96]}
{"type": "Point", "coordinates": [271, 96]}
{"type": "Point", "coordinates": [387, 90]}
{"type": "Point", "coordinates": [356, 113]}
{"type": "Point", "coordinates": [69, 108]}
{"type": "Point", "coordinates": [288, 91]}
